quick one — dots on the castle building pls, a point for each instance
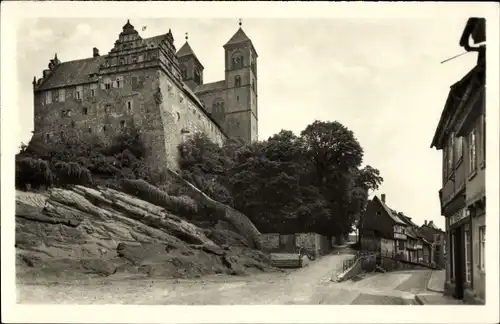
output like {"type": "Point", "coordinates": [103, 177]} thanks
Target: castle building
{"type": "Point", "coordinates": [144, 83]}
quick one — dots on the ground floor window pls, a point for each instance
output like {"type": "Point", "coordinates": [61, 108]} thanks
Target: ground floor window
{"type": "Point", "coordinates": [467, 251]}
{"type": "Point", "coordinates": [482, 245]}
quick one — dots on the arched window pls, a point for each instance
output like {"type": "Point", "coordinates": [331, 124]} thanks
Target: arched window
{"type": "Point", "coordinates": [237, 81]}
{"type": "Point", "coordinates": [197, 76]}
{"type": "Point", "coordinates": [183, 71]}
{"type": "Point", "coordinates": [237, 60]}
{"type": "Point", "coordinates": [218, 107]}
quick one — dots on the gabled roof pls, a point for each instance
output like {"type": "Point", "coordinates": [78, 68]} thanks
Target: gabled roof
{"type": "Point", "coordinates": [186, 50]}
{"type": "Point", "coordinates": [77, 72]}
{"type": "Point", "coordinates": [238, 37]}
{"type": "Point", "coordinates": [457, 90]}
{"type": "Point", "coordinates": [73, 73]}
{"type": "Point", "coordinates": [392, 213]}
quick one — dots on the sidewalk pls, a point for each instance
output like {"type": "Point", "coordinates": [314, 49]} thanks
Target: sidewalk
{"type": "Point", "coordinates": [436, 281]}
{"type": "Point", "coordinates": [436, 299]}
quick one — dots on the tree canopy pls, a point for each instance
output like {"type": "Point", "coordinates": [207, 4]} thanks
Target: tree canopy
{"type": "Point", "coordinates": [287, 183]}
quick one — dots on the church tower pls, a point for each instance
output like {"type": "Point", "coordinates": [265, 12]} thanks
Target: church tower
{"type": "Point", "coordinates": [241, 83]}
{"type": "Point", "coordinates": [191, 67]}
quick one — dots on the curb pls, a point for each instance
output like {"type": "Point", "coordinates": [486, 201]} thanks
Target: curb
{"type": "Point", "coordinates": [419, 300]}
{"type": "Point", "coordinates": [431, 289]}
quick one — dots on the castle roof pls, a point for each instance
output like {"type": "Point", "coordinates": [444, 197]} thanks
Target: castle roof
{"type": "Point", "coordinates": [186, 50]}
{"type": "Point", "coordinates": [238, 37]}
{"type": "Point", "coordinates": [73, 73]}
{"type": "Point", "coordinates": [77, 72]}
{"type": "Point", "coordinates": [207, 87]}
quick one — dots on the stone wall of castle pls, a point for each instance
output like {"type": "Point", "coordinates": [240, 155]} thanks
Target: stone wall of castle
{"type": "Point", "coordinates": [164, 120]}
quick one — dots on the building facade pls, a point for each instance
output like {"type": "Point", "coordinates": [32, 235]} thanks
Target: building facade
{"type": "Point", "coordinates": [145, 84]}
{"type": "Point", "coordinates": [381, 222]}
{"type": "Point", "coordinates": [460, 134]}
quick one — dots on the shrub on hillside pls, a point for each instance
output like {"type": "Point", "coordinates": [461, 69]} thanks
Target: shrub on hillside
{"type": "Point", "coordinates": [181, 205]}
{"type": "Point", "coordinates": [72, 173]}
{"type": "Point", "coordinates": [33, 172]}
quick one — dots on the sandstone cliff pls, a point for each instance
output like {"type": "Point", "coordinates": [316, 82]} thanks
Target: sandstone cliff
{"type": "Point", "coordinates": [81, 232]}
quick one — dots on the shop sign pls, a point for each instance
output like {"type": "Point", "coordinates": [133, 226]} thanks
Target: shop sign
{"type": "Point", "coordinates": [458, 216]}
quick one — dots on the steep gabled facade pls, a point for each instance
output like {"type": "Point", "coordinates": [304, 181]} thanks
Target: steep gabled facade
{"type": "Point", "coordinates": [380, 221]}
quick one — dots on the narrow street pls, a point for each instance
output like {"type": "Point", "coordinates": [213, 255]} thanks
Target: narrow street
{"type": "Point", "coordinates": [309, 285]}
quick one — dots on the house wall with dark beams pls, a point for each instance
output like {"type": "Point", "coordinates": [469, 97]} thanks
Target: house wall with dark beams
{"type": "Point", "coordinates": [136, 85]}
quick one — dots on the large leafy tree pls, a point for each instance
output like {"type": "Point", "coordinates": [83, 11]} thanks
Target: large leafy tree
{"type": "Point", "coordinates": [287, 183]}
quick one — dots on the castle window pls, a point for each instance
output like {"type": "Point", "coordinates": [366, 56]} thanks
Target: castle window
{"type": "Point", "coordinates": [107, 83]}
{"type": "Point", "coordinates": [48, 97]}
{"type": "Point", "coordinates": [134, 59]}
{"type": "Point", "coordinates": [79, 92]}
{"type": "Point", "coordinates": [62, 95]}
{"type": "Point", "coordinates": [122, 61]}
{"type": "Point", "coordinates": [84, 111]}
{"type": "Point", "coordinates": [93, 89]}
{"type": "Point", "coordinates": [237, 60]}
{"type": "Point", "coordinates": [129, 106]}
{"type": "Point", "coordinates": [237, 81]}
{"type": "Point", "coordinates": [119, 82]}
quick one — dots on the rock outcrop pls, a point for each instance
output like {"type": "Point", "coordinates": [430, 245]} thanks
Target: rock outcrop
{"type": "Point", "coordinates": [81, 232]}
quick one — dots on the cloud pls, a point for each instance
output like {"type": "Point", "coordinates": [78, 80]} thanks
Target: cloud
{"type": "Point", "coordinates": [83, 29]}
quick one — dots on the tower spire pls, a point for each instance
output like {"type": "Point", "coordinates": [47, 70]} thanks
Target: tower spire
{"type": "Point", "coordinates": [239, 22]}
{"type": "Point", "coordinates": [186, 37]}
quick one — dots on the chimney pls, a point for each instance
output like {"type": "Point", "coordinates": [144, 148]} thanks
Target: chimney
{"type": "Point", "coordinates": [425, 223]}
{"type": "Point", "coordinates": [96, 52]}
{"type": "Point", "coordinates": [382, 196]}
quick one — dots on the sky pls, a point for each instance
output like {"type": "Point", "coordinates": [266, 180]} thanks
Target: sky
{"type": "Point", "coordinates": [380, 78]}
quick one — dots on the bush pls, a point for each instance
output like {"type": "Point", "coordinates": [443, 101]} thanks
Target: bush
{"type": "Point", "coordinates": [72, 173]}
{"type": "Point", "coordinates": [182, 206]}
{"type": "Point", "coordinates": [33, 172]}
